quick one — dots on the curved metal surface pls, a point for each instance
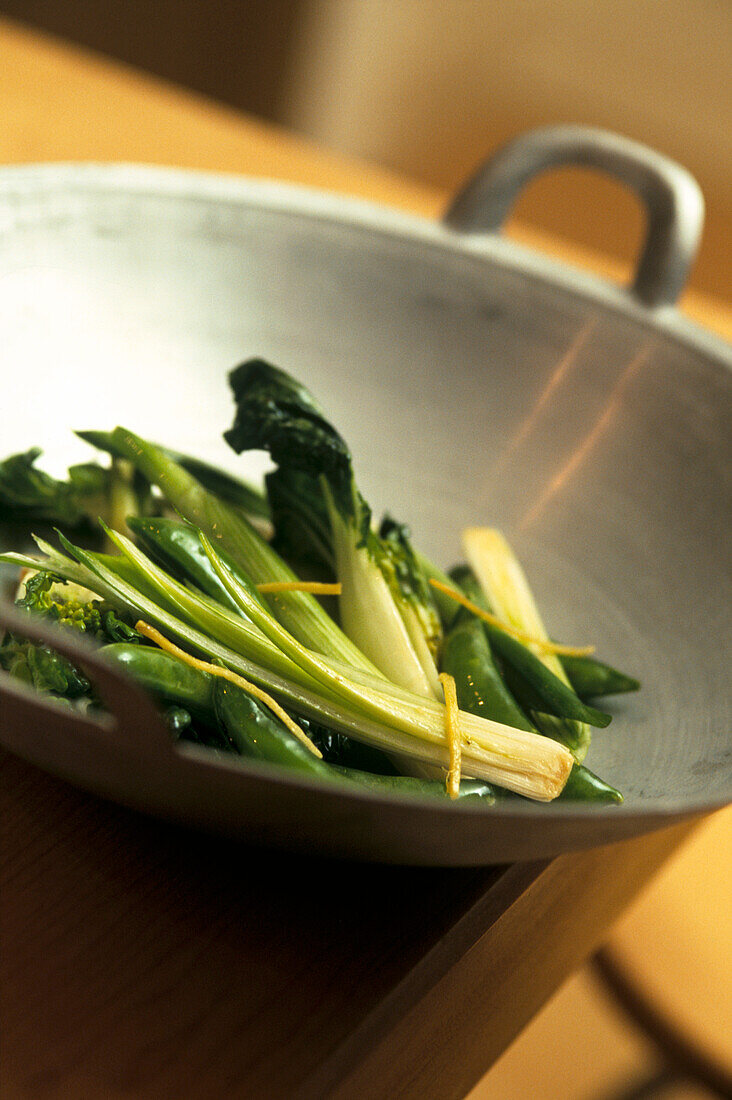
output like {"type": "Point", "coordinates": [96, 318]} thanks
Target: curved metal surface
{"type": "Point", "coordinates": [672, 199]}
{"type": "Point", "coordinates": [473, 386]}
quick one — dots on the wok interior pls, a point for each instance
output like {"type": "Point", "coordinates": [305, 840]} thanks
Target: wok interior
{"type": "Point", "coordinates": [469, 393]}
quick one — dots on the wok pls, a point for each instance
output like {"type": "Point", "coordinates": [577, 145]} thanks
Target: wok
{"type": "Point", "coordinates": [477, 382]}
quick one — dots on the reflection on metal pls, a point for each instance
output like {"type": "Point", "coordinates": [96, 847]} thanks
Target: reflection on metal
{"type": "Point", "coordinates": [583, 448]}
{"type": "Point", "coordinates": [563, 367]}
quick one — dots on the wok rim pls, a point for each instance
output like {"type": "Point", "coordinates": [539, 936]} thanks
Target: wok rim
{"type": "Point", "coordinates": [321, 205]}
{"type": "Point", "coordinates": [493, 249]}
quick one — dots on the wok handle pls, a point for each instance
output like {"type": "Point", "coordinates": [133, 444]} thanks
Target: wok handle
{"type": "Point", "coordinates": [671, 196]}
{"type": "Point", "coordinates": [136, 719]}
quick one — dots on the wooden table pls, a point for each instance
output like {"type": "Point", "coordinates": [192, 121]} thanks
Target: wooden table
{"type": "Point", "coordinates": [142, 960]}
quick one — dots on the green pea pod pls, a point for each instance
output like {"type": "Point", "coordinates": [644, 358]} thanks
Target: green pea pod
{"type": "Point", "coordinates": [470, 789]}
{"type": "Point", "coordinates": [584, 786]}
{"type": "Point", "coordinates": [177, 546]}
{"type": "Point", "coordinates": [258, 733]}
{"type": "Point", "coordinates": [591, 678]}
{"type": "Point", "coordinates": [466, 656]}
{"type": "Point", "coordinates": [573, 735]}
{"type": "Point", "coordinates": [481, 688]}
{"type": "Point", "coordinates": [164, 676]}
{"type": "Point", "coordinates": [553, 697]}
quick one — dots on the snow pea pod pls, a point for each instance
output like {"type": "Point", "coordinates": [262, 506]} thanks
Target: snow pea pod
{"type": "Point", "coordinates": [470, 789]}
{"type": "Point", "coordinates": [584, 786]}
{"type": "Point", "coordinates": [258, 733]}
{"type": "Point", "coordinates": [182, 689]}
{"type": "Point", "coordinates": [551, 695]}
{"type": "Point", "coordinates": [466, 656]}
{"type": "Point", "coordinates": [164, 676]}
{"type": "Point", "coordinates": [249, 728]}
{"type": "Point", "coordinates": [176, 546]}
{"type": "Point", "coordinates": [590, 677]}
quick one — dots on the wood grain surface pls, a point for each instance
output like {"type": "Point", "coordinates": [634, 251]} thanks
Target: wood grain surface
{"type": "Point", "coordinates": [141, 960]}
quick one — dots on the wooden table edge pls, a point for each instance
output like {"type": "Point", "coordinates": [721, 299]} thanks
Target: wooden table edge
{"type": "Point", "coordinates": [440, 1021]}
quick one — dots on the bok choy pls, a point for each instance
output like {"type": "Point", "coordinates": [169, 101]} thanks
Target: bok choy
{"type": "Point", "coordinates": [385, 606]}
{"type": "Point", "coordinates": [438, 675]}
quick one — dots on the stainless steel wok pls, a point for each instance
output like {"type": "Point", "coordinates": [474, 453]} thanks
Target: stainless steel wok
{"type": "Point", "coordinates": [476, 382]}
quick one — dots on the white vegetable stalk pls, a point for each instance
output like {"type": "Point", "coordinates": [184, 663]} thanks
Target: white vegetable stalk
{"type": "Point", "coordinates": [371, 618]}
{"type": "Point", "coordinates": [526, 763]}
{"type": "Point", "coordinates": [504, 583]}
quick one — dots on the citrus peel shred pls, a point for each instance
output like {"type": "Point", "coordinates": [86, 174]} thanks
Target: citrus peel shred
{"type": "Point", "coordinates": [233, 677]}
{"type": "Point", "coordinates": [315, 588]}
{"type": "Point", "coordinates": [452, 733]}
{"type": "Point", "coordinates": [540, 643]}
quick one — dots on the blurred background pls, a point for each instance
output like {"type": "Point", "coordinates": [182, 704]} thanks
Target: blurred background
{"type": "Point", "coordinates": [429, 87]}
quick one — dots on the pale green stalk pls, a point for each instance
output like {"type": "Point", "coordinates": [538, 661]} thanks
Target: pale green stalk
{"type": "Point", "coordinates": [514, 747]}
{"type": "Point", "coordinates": [299, 612]}
{"type": "Point", "coordinates": [525, 763]}
{"type": "Point", "coordinates": [507, 589]}
{"type": "Point", "coordinates": [371, 615]}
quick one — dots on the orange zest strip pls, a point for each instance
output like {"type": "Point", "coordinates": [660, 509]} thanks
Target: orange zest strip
{"type": "Point", "coordinates": [540, 643]}
{"type": "Point", "coordinates": [452, 733]}
{"type": "Point", "coordinates": [233, 677]}
{"type": "Point", "coordinates": [316, 588]}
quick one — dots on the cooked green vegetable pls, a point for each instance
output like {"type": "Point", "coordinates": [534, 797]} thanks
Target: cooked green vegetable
{"type": "Point", "coordinates": [581, 786]}
{"type": "Point", "coordinates": [385, 606]}
{"type": "Point", "coordinates": [227, 487]}
{"type": "Point", "coordinates": [228, 527]}
{"type": "Point", "coordinates": [42, 668]}
{"type": "Point", "coordinates": [274, 676]}
{"type": "Point", "coordinates": [166, 677]}
{"type": "Point", "coordinates": [256, 732]}
{"type": "Point", "coordinates": [369, 708]}
{"type": "Point", "coordinates": [466, 655]}
{"type": "Point", "coordinates": [545, 693]}
{"type": "Point", "coordinates": [584, 786]}
{"type": "Point", "coordinates": [246, 727]}
{"type": "Point", "coordinates": [29, 495]}
{"type": "Point", "coordinates": [260, 735]}
{"type": "Point", "coordinates": [344, 751]}
{"type": "Point", "coordinates": [46, 593]}
{"type": "Point", "coordinates": [481, 689]}
{"type": "Point", "coordinates": [68, 605]}
{"type": "Point", "coordinates": [177, 547]}
{"type": "Point", "coordinates": [300, 519]}
{"type": "Point", "coordinates": [506, 589]}
{"type": "Point", "coordinates": [471, 790]}
{"type": "Point", "coordinates": [591, 678]}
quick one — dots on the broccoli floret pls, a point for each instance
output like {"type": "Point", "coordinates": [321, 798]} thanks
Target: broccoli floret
{"type": "Point", "coordinates": [40, 665]}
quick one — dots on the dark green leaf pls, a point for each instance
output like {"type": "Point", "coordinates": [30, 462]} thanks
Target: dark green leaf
{"type": "Point", "coordinates": [33, 495]}
{"type": "Point", "coordinates": [277, 414]}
